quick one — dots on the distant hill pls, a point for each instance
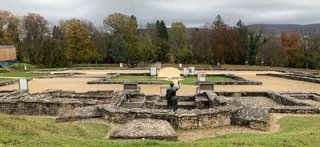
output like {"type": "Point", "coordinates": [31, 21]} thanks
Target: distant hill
{"type": "Point", "coordinates": [278, 28]}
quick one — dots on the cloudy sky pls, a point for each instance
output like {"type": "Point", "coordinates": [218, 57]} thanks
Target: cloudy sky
{"type": "Point", "coordinates": [192, 12]}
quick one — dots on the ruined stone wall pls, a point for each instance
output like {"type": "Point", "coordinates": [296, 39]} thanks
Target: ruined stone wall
{"type": "Point", "coordinates": [183, 119]}
{"type": "Point", "coordinates": [37, 108]}
{"type": "Point", "coordinates": [51, 102]}
{"type": "Point", "coordinates": [286, 100]}
{"type": "Point", "coordinates": [294, 77]}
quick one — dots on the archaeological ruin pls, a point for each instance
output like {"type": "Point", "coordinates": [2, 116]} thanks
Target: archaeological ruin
{"type": "Point", "coordinates": [207, 109]}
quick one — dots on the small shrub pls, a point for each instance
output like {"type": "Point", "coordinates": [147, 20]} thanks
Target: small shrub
{"type": "Point", "coordinates": [21, 67]}
{"type": "Point", "coordinates": [3, 70]}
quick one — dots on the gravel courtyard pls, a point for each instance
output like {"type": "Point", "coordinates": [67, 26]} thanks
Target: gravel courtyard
{"type": "Point", "coordinates": [79, 83]}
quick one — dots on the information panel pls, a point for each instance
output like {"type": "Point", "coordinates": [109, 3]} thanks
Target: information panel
{"type": "Point", "coordinates": [202, 76]}
{"type": "Point", "coordinates": [23, 84]}
{"type": "Point", "coordinates": [192, 71]}
{"type": "Point", "coordinates": [153, 71]}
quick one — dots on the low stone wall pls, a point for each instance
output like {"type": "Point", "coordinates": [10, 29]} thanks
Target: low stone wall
{"type": "Point", "coordinates": [295, 109]}
{"type": "Point", "coordinates": [113, 75]}
{"type": "Point", "coordinates": [38, 108]}
{"type": "Point", "coordinates": [293, 77]}
{"type": "Point", "coordinates": [312, 96]}
{"type": "Point", "coordinates": [286, 100]}
{"type": "Point", "coordinates": [238, 80]}
{"type": "Point", "coordinates": [182, 119]}
{"type": "Point", "coordinates": [11, 82]}
{"type": "Point", "coordinates": [51, 102]}
{"type": "Point", "coordinates": [252, 117]}
{"type": "Point", "coordinates": [94, 95]}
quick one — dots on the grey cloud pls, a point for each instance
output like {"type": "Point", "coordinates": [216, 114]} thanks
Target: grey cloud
{"type": "Point", "coordinates": [191, 12]}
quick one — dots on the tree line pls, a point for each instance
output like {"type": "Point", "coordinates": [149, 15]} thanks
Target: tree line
{"type": "Point", "coordinates": [122, 40]}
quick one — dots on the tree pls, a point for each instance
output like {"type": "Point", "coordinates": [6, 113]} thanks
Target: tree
{"type": "Point", "coordinates": [35, 31]}
{"type": "Point", "coordinates": [200, 41]}
{"type": "Point", "coordinates": [243, 32]}
{"type": "Point", "coordinates": [162, 41]}
{"type": "Point", "coordinates": [118, 47]}
{"type": "Point", "coordinates": [147, 46]}
{"type": "Point", "coordinates": [180, 47]}
{"type": "Point", "coordinates": [80, 47]}
{"type": "Point", "coordinates": [225, 47]}
{"type": "Point", "coordinates": [292, 43]}
{"type": "Point", "coordinates": [272, 53]}
{"type": "Point", "coordinates": [9, 28]}
{"type": "Point", "coordinates": [255, 40]}
{"type": "Point", "coordinates": [54, 49]}
{"type": "Point", "coordinates": [310, 50]}
{"type": "Point", "coordinates": [120, 25]}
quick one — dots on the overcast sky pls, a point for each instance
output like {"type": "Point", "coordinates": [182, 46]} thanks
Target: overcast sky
{"type": "Point", "coordinates": [193, 13]}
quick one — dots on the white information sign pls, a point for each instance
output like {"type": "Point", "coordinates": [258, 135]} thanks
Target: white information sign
{"type": "Point", "coordinates": [192, 71]}
{"type": "Point", "coordinates": [121, 65]}
{"type": "Point", "coordinates": [153, 71]}
{"type": "Point", "coordinates": [180, 65]}
{"type": "Point", "coordinates": [202, 76]}
{"type": "Point", "coordinates": [23, 84]}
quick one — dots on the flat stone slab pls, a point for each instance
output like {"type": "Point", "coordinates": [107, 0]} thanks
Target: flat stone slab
{"type": "Point", "coordinates": [145, 128]}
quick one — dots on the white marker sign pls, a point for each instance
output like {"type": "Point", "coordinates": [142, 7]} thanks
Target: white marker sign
{"type": "Point", "coordinates": [192, 71]}
{"type": "Point", "coordinates": [121, 65]}
{"type": "Point", "coordinates": [201, 76]}
{"type": "Point", "coordinates": [153, 71]}
{"type": "Point", "coordinates": [23, 84]}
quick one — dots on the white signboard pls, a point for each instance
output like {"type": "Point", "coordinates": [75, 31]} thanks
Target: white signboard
{"type": "Point", "coordinates": [121, 65]}
{"type": "Point", "coordinates": [23, 84]}
{"type": "Point", "coordinates": [153, 71]}
{"type": "Point", "coordinates": [180, 65]}
{"type": "Point", "coordinates": [192, 71]}
{"type": "Point", "coordinates": [202, 76]}
{"type": "Point", "coordinates": [185, 71]}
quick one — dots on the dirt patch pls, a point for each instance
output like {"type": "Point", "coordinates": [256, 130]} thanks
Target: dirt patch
{"type": "Point", "coordinates": [169, 72]}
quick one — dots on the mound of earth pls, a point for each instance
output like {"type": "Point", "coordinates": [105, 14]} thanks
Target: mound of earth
{"type": "Point", "coordinates": [145, 129]}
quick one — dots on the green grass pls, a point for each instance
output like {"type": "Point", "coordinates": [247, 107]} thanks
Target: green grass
{"type": "Point", "coordinates": [193, 79]}
{"type": "Point", "coordinates": [23, 74]}
{"type": "Point", "coordinates": [133, 78]}
{"type": "Point", "coordinates": [44, 131]}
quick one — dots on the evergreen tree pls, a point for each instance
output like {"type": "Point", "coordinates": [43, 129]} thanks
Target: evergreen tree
{"type": "Point", "coordinates": [162, 44]}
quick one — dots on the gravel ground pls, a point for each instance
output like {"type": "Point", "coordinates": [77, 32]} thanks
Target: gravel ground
{"type": "Point", "coordinates": [257, 101]}
{"type": "Point", "coordinates": [80, 84]}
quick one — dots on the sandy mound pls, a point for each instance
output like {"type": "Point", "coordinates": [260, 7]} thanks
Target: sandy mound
{"type": "Point", "coordinates": [169, 72]}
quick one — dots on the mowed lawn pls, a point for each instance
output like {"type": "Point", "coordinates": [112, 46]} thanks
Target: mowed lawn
{"type": "Point", "coordinates": [193, 79]}
{"type": "Point", "coordinates": [44, 131]}
{"type": "Point", "coordinates": [135, 78]}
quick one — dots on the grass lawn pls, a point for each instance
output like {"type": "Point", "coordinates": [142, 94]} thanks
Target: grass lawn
{"type": "Point", "coordinates": [133, 78]}
{"type": "Point", "coordinates": [193, 79]}
{"type": "Point", "coordinates": [44, 131]}
{"type": "Point", "coordinates": [23, 74]}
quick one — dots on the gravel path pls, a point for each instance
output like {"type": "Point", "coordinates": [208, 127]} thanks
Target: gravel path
{"type": "Point", "coordinates": [80, 84]}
